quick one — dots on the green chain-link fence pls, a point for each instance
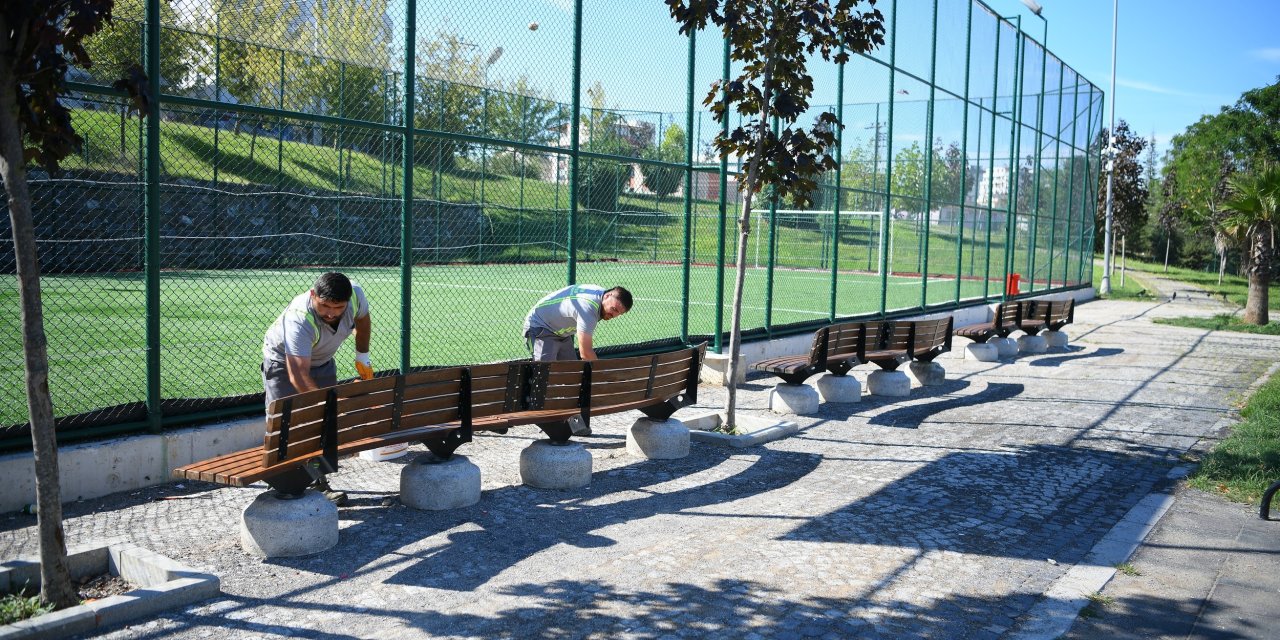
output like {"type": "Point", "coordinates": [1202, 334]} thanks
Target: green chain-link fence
{"type": "Point", "coordinates": [288, 142]}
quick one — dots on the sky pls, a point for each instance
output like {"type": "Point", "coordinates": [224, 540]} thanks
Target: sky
{"type": "Point", "coordinates": [1176, 60]}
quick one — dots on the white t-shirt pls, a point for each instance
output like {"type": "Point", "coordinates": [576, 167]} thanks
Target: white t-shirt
{"type": "Point", "coordinates": [300, 332]}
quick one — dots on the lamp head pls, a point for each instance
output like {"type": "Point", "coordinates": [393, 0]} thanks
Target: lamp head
{"type": "Point", "coordinates": [1033, 6]}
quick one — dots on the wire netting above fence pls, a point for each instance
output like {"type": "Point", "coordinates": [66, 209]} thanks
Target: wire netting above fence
{"type": "Point", "coordinates": [459, 161]}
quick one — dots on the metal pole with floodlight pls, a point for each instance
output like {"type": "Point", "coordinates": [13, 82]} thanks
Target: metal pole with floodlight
{"type": "Point", "coordinates": [1035, 8]}
{"type": "Point", "coordinates": [1110, 154]}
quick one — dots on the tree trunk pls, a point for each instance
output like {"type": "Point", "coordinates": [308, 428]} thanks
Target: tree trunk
{"type": "Point", "coordinates": [748, 189]}
{"type": "Point", "coordinates": [735, 322]}
{"type": "Point", "coordinates": [55, 582]}
{"type": "Point", "coordinates": [1222, 265]}
{"type": "Point", "coordinates": [1255, 308]}
{"type": "Point", "coordinates": [1168, 238]}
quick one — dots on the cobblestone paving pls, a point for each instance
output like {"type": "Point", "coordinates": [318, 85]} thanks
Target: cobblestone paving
{"type": "Point", "coordinates": [944, 515]}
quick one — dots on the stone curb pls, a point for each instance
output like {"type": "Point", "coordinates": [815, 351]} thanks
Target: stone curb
{"type": "Point", "coordinates": [700, 430]}
{"type": "Point", "coordinates": [163, 584]}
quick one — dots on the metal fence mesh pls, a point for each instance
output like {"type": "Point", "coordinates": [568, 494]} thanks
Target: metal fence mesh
{"type": "Point", "coordinates": [286, 129]}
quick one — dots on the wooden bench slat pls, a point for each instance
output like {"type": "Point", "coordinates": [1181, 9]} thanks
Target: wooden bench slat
{"type": "Point", "coordinates": [635, 395]}
{"type": "Point", "coordinates": [220, 461]}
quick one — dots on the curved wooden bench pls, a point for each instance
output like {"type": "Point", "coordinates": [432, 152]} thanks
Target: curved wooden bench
{"type": "Point", "coordinates": [306, 433]}
{"type": "Point", "coordinates": [1039, 315]}
{"type": "Point", "coordinates": [555, 396]}
{"type": "Point", "coordinates": [1006, 319]}
{"type": "Point", "coordinates": [1056, 313]}
{"type": "Point", "coordinates": [836, 348]}
{"type": "Point", "coordinates": [912, 341]}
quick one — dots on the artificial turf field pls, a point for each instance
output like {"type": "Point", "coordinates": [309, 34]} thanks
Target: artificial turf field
{"type": "Point", "coordinates": [212, 322]}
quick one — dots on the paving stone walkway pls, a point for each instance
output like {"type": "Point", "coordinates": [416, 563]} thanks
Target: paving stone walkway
{"type": "Point", "coordinates": [949, 514]}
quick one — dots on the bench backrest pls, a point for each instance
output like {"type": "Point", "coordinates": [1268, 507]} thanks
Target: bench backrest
{"type": "Point", "coordinates": [844, 340]}
{"type": "Point", "coordinates": [619, 384]}
{"type": "Point", "coordinates": [932, 337]}
{"type": "Point", "coordinates": [1008, 316]}
{"type": "Point", "coordinates": [514, 387]}
{"type": "Point", "coordinates": [1056, 313]}
{"type": "Point", "coordinates": [921, 339]}
{"type": "Point", "coordinates": [1053, 313]}
{"type": "Point", "coordinates": [321, 421]}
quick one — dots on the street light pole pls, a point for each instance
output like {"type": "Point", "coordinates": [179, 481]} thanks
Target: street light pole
{"type": "Point", "coordinates": [1110, 154]}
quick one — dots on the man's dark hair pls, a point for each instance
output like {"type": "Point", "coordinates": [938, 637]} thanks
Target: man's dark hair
{"type": "Point", "coordinates": [622, 295]}
{"type": "Point", "coordinates": [335, 287]}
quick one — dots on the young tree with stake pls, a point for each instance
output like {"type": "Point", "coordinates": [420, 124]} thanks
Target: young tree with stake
{"type": "Point", "coordinates": [38, 43]}
{"type": "Point", "coordinates": [773, 40]}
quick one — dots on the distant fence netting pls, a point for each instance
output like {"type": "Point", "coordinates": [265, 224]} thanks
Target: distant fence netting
{"type": "Point", "coordinates": [459, 163]}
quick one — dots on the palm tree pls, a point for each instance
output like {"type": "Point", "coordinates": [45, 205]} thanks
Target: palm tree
{"type": "Point", "coordinates": [1252, 211]}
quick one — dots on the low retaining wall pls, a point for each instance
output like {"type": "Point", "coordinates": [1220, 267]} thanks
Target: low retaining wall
{"type": "Point", "coordinates": [95, 469]}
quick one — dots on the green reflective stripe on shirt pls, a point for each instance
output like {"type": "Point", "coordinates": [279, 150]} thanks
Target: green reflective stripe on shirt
{"type": "Point", "coordinates": [573, 293]}
{"type": "Point", "coordinates": [315, 322]}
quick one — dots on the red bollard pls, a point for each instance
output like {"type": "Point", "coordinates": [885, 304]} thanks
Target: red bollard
{"type": "Point", "coordinates": [1011, 284]}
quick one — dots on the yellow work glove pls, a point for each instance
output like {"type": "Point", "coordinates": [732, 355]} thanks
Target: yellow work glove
{"type": "Point", "coordinates": [363, 366]}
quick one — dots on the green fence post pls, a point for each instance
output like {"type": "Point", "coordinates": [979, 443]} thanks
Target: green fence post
{"type": "Point", "coordinates": [724, 195]}
{"type": "Point", "coordinates": [280, 136]}
{"type": "Point", "coordinates": [1086, 242]}
{"type": "Point", "coordinates": [688, 191]}
{"type": "Point", "coordinates": [928, 161]}
{"type": "Point", "coordinates": [964, 149]}
{"type": "Point", "coordinates": [575, 122]}
{"type": "Point", "coordinates": [406, 215]}
{"type": "Point", "coordinates": [991, 163]}
{"type": "Point", "coordinates": [1015, 135]}
{"type": "Point", "coordinates": [1057, 174]}
{"type": "Point", "coordinates": [484, 149]}
{"type": "Point", "coordinates": [217, 95]}
{"type": "Point", "coordinates": [1071, 184]}
{"type": "Point", "coordinates": [438, 175]}
{"type": "Point", "coordinates": [1044, 59]}
{"type": "Point", "coordinates": [835, 212]}
{"type": "Point", "coordinates": [342, 185]}
{"type": "Point", "coordinates": [885, 258]}
{"type": "Point", "coordinates": [772, 248]}
{"type": "Point", "coordinates": [875, 171]}
{"type": "Point", "coordinates": [151, 212]}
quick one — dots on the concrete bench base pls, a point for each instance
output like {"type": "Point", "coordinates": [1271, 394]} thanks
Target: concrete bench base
{"type": "Point", "coordinates": [794, 399]}
{"type": "Point", "coordinates": [928, 374]}
{"type": "Point", "coordinates": [1005, 347]}
{"type": "Point", "coordinates": [1055, 339]}
{"type": "Point", "coordinates": [1032, 344]}
{"type": "Point", "coordinates": [833, 388]}
{"type": "Point", "coordinates": [432, 483]}
{"type": "Point", "coordinates": [658, 440]}
{"type": "Point", "coordinates": [546, 464]}
{"type": "Point", "coordinates": [982, 352]}
{"type": "Point", "coordinates": [273, 526]}
{"type": "Point", "coordinates": [894, 384]}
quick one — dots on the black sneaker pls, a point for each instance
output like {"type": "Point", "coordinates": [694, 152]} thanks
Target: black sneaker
{"type": "Point", "coordinates": [338, 498]}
